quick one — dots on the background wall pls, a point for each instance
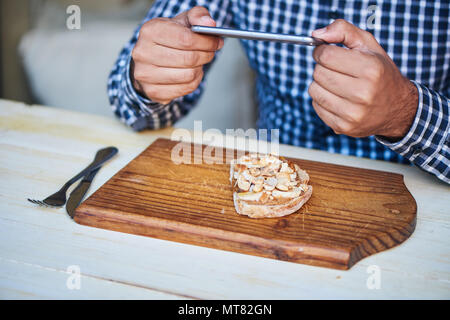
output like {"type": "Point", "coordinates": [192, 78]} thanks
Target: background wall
{"type": "Point", "coordinates": [14, 22]}
{"type": "Point", "coordinates": [44, 62]}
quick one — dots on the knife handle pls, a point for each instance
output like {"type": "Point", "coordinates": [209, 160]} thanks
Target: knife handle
{"type": "Point", "coordinates": [101, 157]}
{"type": "Point", "coordinates": [90, 176]}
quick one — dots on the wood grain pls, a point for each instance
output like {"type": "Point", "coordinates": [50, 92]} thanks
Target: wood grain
{"type": "Point", "coordinates": [353, 213]}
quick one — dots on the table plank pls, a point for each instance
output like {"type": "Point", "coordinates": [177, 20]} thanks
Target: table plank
{"type": "Point", "coordinates": [37, 156]}
{"type": "Point", "coordinates": [22, 280]}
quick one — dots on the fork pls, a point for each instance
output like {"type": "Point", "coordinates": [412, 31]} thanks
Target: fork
{"type": "Point", "coordinates": [58, 199]}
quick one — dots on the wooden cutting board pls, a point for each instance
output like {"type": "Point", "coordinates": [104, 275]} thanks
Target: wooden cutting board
{"type": "Point", "coordinates": [353, 213]}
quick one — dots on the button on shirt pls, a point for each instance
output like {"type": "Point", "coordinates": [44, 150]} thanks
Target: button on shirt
{"type": "Point", "coordinates": [415, 34]}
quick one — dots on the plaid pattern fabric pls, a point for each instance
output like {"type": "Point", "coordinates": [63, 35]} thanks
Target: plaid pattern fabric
{"type": "Point", "coordinates": [415, 34]}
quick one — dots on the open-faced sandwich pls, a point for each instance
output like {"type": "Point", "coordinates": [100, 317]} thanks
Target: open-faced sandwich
{"type": "Point", "coordinates": [266, 186]}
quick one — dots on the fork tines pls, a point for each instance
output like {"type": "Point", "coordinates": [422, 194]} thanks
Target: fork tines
{"type": "Point", "coordinates": [41, 203]}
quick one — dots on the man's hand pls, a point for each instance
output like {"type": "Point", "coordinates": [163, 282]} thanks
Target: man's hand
{"type": "Point", "coordinates": [358, 90]}
{"type": "Point", "coordinates": [168, 58]}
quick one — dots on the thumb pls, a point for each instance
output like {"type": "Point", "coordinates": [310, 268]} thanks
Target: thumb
{"type": "Point", "coordinates": [341, 31]}
{"type": "Point", "coordinates": [196, 16]}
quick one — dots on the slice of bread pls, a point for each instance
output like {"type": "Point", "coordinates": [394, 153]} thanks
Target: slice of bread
{"type": "Point", "coordinates": [267, 186]}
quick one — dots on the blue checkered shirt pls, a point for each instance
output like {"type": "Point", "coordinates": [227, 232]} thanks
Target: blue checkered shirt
{"type": "Point", "coordinates": [415, 34]}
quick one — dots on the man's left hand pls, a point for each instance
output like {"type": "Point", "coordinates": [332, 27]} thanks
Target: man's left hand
{"type": "Point", "coordinates": [358, 90]}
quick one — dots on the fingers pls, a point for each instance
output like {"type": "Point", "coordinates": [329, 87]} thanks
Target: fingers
{"type": "Point", "coordinates": [200, 16]}
{"type": "Point", "coordinates": [340, 107]}
{"type": "Point", "coordinates": [195, 16]}
{"type": "Point", "coordinates": [171, 34]}
{"type": "Point", "coordinates": [324, 98]}
{"type": "Point", "coordinates": [341, 31]}
{"type": "Point", "coordinates": [172, 58]}
{"type": "Point", "coordinates": [342, 85]}
{"type": "Point", "coordinates": [164, 93]}
{"type": "Point", "coordinates": [152, 74]}
{"type": "Point", "coordinates": [350, 62]}
{"type": "Point", "coordinates": [339, 125]}
{"type": "Point", "coordinates": [329, 118]}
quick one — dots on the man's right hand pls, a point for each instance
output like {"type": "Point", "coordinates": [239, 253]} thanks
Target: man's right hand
{"type": "Point", "coordinates": [168, 58]}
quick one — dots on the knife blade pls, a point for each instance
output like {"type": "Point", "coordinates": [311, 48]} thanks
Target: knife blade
{"type": "Point", "coordinates": [76, 196]}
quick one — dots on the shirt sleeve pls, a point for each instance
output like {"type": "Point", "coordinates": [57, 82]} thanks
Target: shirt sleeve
{"type": "Point", "coordinates": [427, 144]}
{"type": "Point", "coordinates": [132, 108]}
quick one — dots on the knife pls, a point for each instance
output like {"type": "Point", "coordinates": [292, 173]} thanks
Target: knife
{"type": "Point", "coordinates": [78, 193]}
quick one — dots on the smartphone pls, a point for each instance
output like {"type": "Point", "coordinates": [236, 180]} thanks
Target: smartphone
{"type": "Point", "coordinates": [257, 35]}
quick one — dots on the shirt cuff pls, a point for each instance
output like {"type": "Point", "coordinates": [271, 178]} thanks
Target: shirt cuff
{"type": "Point", "coordinates": [146, 105]}
{"type": "Point", "coordinates": [428, 132]}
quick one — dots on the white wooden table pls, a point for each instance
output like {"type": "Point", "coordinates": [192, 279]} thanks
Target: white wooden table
{"type": "Point", "coordinates": [41, 147]}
